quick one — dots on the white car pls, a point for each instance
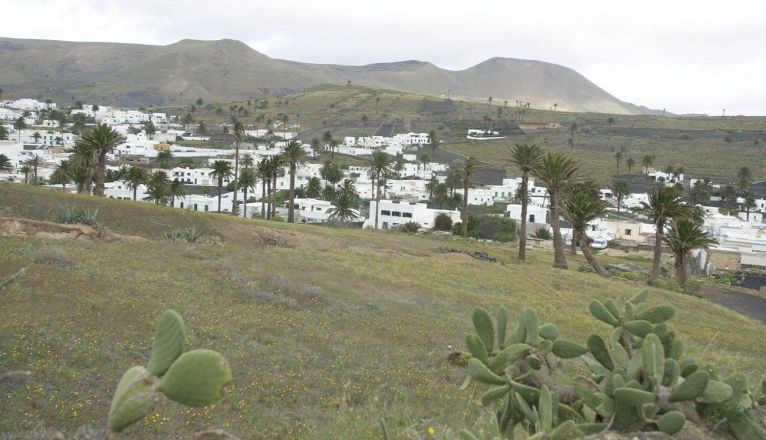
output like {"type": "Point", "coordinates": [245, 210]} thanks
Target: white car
{"type": "Point", "coordinates": [598, 243]}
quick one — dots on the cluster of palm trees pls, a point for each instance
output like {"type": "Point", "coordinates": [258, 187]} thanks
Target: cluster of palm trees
{"type": "Point", "coordinates": [578, 201]}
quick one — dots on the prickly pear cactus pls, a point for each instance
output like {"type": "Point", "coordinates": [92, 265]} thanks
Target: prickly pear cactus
{"type": "Point", "coordinates": [195, 378]}
{"type": "Point", "coordinates": [638, 378]}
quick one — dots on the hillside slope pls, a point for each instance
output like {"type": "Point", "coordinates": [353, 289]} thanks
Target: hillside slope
{"type": "Point", "coordinates": [326, 330]}
{"type": "Point", "coordinates": [226, 70]}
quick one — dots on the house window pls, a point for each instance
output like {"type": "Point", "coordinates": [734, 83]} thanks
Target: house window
{"type": "Point", "coordinates": [205, 208]}
{"type": "Point", "coordinates": [385, 212]}
{"type": "Point", "coordinates": [195, 207]}
{"type": "Point", "coordinates": [182, 205]}
{"type": "Point", "coordinates": [407, 214]}
{"type": "Point", "coordinates": [531, 218]}
{"type": "Point", "coordinates": [628, 232]}
{"type": "Point", "coordinates": [396, 214]}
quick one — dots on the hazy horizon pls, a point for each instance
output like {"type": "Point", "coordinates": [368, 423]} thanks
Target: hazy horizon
{"type": "Point", "coordinates": [682, 57]}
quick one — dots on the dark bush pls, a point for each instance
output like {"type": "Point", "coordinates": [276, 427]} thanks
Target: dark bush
{"type": "Point", "coordinates": [443, 222]}
{"type": "Point", "coordinates": [543, 234]}
{"type": "Point", "coordinates": [410, 227]}
{"type": "Point", "coordinates": [488, 227]}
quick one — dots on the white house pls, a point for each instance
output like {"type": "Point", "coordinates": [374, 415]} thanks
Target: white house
{"type": "Point", "coordinates": [394, 214]}
{"type": "Point", "coordinates": [535, 214]}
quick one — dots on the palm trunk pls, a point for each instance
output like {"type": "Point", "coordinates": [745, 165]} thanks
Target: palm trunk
{"type": "Point", "coordinates": [135, 191]}
{"type": "Point", "coordinates": [172, 200]}
{"type": "Point", "coordinates": [575, 240]}
{"type": "Point", "coordinates": [274, 197]}
{"type": "Point", "coordinates": [244, 202]}
{"type": "Point", "coordinates": [523, 226]}
{"type": "Point", "coordinates": [589, 256]}
{"type": "Point", "coordinates": [267, 198]}
{"type": "Point", "coordinates": [619, 203]}
{"type": "Point", "coordinates": [655, 272]}
{"type": "Point", "coordinates": [234, 206]}
{"type": "Point", "coordinates": [559, 259]}
{"type": "Point", "coordinates": [377, 205]}
{"type": "Point", "coordinates": [464, 214]}
{"type": "Point", "coordinates": [220, 189]}
{"type": "Point", "coordinates": [263, 198]}
{"type": "Point", "coordinates": [100, 174]}
{"type": "Point", "coordinates": [291, 207]}
{"type": "Point", "coordinates": [681, 275]}
{"type": "Point", "coordinates": [35, 176]}
{"type": "Point", "coordinates": [376, 200]}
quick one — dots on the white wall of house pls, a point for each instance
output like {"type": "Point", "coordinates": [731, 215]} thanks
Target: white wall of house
{"type": "Point", "coordinates": [535, 214]}
{"type": "Point", "coordinates": [394, 214]}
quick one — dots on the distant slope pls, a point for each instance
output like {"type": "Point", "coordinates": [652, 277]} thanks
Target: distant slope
{"type": "Point", "coordinates": [225, 70]}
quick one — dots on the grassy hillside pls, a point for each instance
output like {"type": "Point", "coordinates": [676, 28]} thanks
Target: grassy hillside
{"type": "Point", "coordinates": [326, 330]}
{"type": "Point", "coordinates": [705, 146]}
{"type": "Point", "coordinates": [228, 70]}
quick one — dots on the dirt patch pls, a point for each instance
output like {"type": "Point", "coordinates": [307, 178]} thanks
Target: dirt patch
{"type": "Point", "coordinates": [16, 227]}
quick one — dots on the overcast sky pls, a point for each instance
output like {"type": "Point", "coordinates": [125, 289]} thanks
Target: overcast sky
{"type": "Point", "coordinates": [680, 55]}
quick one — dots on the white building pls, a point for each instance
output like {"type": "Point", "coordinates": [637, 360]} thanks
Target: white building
{"type": "Point", "coordinates": [394, 214]}
{"type": "Point", "coordinates": [535, 214]}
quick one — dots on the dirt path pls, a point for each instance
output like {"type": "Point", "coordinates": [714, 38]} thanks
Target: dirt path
{"type": "Point", "coordinates": [749, 305]}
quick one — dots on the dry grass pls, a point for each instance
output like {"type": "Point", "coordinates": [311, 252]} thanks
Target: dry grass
{"type": "Point", "coordinates": [362, 330]}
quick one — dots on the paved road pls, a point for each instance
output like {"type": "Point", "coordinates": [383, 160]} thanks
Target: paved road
{"type": "Point", "coordinates": [748, 305]}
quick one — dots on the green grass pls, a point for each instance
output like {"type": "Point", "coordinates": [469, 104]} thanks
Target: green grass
{"type": "Point", "coordinates": [324, 337]}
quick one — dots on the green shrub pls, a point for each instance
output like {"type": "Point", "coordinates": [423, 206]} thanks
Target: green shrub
{"type": "Point", "coordinates": [89, 216]}
{"type": "Point", "coordinates": [191, 235]}
{"type": "Point", "coordinates": [632, 276]}
{"type": "Point", "coordinates": [639, 379]}
{"type": "Point", "coordinates": [70, 214]}
{"type": "Point", "coordinates": [67, 215]}
{"type": "Point", "coordinates": [410, 227]}
{"type": "Point", "coordinates": [443, 222]}
{"type": "Point", "coordinates": [543, 234]}
{"type": "Point", "coordinates": [505, 236]}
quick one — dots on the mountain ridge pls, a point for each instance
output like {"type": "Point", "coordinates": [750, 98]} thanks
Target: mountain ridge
{"type": "Point", "coordinates": [223, 70]}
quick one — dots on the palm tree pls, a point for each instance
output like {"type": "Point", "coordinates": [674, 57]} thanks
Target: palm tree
{"type": "Point", "coordinates": [682, 237]}
{"type": "Point", "coordinates": [247, 180]}
{"type": "Point", "coordinates": [81, 171]}
{"type": "Point", "coordinates": [19, 125]}
{"type": "Point", "coordinates": [314, 188]}
{"type": "Point", "coordinates": [434, 143]}
{"type": "Point", "coordinates": [526, 157]}
{"type": "Point", "coordinates": [157, 187]}
{"type": "Point", "coordinates": [620, 189]}
{"type": "Point", "coordinates": [276, 170]}
{"type": "Point", "coordinates": [572, 131]}
{"type": "Point", "coordinates": [379, 169]}
{"type": "Point", "coordinates": [293, 155]}
{"type": "Point", "coordinates": [6, 166]}
{"type": "Point", "coordinates": [631, 162]}
{"type": "Point", "coordinates": [133, 178]}
{"type": "Point", "coordinates": [34, 162]}
{"type": "Point", "coordinates": [556, 171]}
{"type": "Point", "coordinates": [618, 157]}
{"type": "Point", "coordinates": [744, 177]}
{"type": "Point", "coordinates": [26, 169]}
{"type": "Point", "coordinates": [348, 188]}
{"type": "Point", "coordinates": [175, 190]}
{"type": "Point", "coordinates": [247, 160]}
{"type": "Point", "coordinates": [581, 207]}
{"type": "Point", "coordinates": [343, 210]}
{"type": "Point", "coordinates": [37, 137]}
{"type": "Point", "coordinates": [163, 159]}
{"type": "Point", "coordinates": [748, 205]}
{"type": "Point", "coordinates": [665, 203]}
{"type": "Point", "coordinates": [469, 166]}
{"type": "Point", "coordinates": [238, 130]}
{"type": "Point", "coordinates": [61, 174]}
{"type": "Point", "coordinates": [101, 140]}
{"type": "Point", "coordinates": [264, 174]}
{"type": "Point", "coordinates": [646, 162]}
{"type": "Point", "coordinates": [221, 171]}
